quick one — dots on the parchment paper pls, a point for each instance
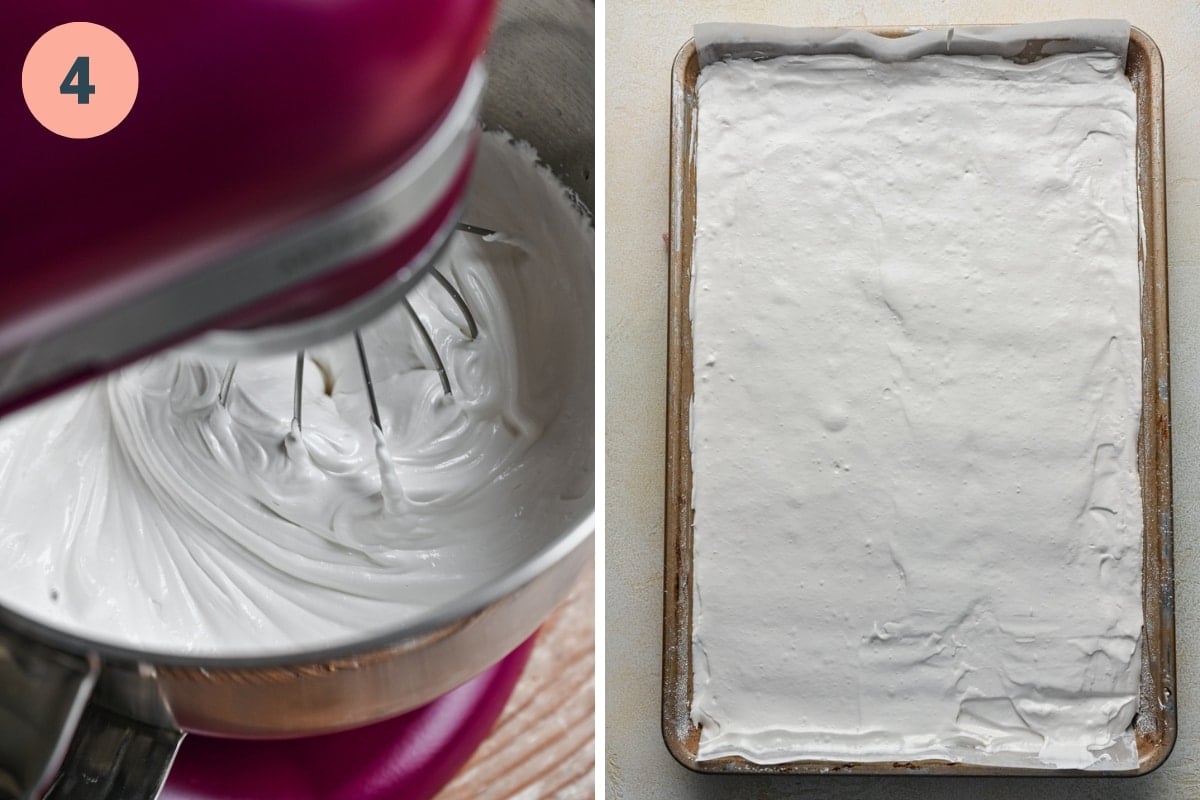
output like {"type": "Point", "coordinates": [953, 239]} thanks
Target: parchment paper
{"type": "Point", "coordinates": [718, 41]}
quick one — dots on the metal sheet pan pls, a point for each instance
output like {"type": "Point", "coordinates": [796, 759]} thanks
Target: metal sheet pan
{"type": "Point", "coordinates": [1155, 723]}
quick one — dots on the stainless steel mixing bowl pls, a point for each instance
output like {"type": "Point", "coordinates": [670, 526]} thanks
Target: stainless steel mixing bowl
{"type": "Point", "coordinates": [104, 722]}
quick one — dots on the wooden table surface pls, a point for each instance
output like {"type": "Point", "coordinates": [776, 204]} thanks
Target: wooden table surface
{"type": "Point", "coordinates": [543, 745]}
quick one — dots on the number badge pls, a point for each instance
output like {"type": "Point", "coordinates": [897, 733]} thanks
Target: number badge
{"type": "Point", "coordinates": [80, 80]}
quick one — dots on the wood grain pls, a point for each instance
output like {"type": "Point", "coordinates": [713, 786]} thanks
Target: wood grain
{"type": "Point", "coordinates": [543, 745]}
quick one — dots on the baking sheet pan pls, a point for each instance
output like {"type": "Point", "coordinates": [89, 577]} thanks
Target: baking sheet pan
{"type": "Point", "coordinates": [1155, 723]}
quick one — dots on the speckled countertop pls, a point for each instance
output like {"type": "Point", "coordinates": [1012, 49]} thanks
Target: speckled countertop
{"type": "Point", "coordinates": [642, 39]}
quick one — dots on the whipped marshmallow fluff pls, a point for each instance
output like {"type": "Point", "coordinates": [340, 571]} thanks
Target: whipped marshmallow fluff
{"type": "Point", "coordinates": [139, 511]}
{"type": "Point", "coordinates": [917, 356]}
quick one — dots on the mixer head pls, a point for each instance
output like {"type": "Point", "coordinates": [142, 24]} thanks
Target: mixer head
{"type": "Point", "coordinates": [283, 192]}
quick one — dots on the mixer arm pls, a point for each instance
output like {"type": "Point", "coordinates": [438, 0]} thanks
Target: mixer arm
{"type": "Point", "coordinates": [343, 268]}
{"type": "Point", "coordinates": [281, 161]}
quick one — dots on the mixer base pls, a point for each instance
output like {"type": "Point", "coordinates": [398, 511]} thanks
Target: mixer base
{"type": "Point", "coordinates": [411, 756]}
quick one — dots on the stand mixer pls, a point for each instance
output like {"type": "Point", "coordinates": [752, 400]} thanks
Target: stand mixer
{"type": "Point", "coordinates": [327, 186]}
{"type": "Point", "coordinates": [328, 182]}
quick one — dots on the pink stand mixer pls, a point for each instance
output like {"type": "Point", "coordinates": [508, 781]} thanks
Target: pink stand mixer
{"type": "Point", "coordinates": [285, 184]}
{"type": "Point", "coordinates": [288, 172]}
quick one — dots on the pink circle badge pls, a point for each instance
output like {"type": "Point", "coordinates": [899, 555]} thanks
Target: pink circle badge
{"type": "Point", "coordinates": [80, 80]}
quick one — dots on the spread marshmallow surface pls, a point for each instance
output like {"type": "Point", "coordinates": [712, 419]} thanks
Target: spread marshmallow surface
{"type": "Point", "coordinates": [917, 361]}
{"type": "Point", "coordinates": [139, 511]}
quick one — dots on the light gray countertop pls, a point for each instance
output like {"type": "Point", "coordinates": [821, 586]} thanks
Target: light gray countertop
{"type": "Point", "coordinates": [642, 39]}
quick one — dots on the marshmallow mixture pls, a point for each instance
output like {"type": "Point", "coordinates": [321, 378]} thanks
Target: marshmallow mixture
{"type": "Point", "coordinates": [138, 511]}
{"type": "Point", "coordinates": [917, 396]}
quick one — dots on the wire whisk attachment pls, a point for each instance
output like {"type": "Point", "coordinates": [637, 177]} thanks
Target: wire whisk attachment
{"type": "Point", "coordinates": [426, 337]}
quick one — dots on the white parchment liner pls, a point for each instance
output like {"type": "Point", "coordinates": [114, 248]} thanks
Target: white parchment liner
{"type": "Point", "coordinates": [718, 41]}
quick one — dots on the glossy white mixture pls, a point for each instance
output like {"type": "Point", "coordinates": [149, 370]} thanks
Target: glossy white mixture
{"type": "Point", "coordinates": [139, 511]}
{"type": "Point", "coordinates": [917, 397]}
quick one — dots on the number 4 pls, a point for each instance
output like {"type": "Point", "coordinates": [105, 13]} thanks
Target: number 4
{"type": "Point", "coordinates": [82, 89]}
